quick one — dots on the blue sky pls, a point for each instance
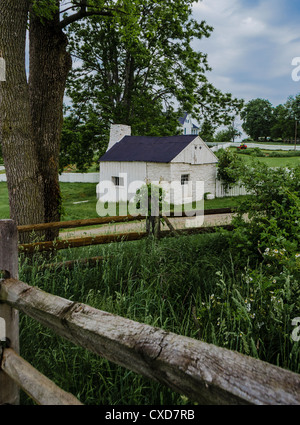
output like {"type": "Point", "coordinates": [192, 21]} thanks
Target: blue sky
{"type": "Point", "coordinates": [252, 46]}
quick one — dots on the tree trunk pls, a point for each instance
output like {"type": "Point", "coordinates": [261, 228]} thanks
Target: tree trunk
{"type": "Point", "coordinates": [24, 180]}
{"type": "Point", "coordinates": [49, 68]}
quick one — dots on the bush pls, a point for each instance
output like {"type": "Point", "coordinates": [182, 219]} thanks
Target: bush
{"type": "Point", "coordinates": [228, 167]}
{"type": "Point", "coordinates": [273, 213]}
{"type": "Point", "coordinates": [257, 152]}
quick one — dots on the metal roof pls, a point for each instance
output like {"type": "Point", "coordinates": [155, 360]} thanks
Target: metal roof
{"type": "Point", "coordinates": [147, 148]}
{"type": "Point", "coordinates": [182, 119]}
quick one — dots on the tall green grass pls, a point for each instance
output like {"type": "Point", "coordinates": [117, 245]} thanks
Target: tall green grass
{"type": "Point", "coordinates": [187, 285]}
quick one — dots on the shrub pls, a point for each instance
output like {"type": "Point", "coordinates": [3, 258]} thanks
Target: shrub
{"type": "Point", "coordinates": [271, 218]}
{"type": "Point", "coordinates": [228, 167]}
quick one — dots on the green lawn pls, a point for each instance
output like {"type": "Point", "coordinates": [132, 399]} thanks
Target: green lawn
{"type": "Point", "coordinates": [278, 158]}
{"type": "Point", "coordinates": [71, 192]}
{"type": "Point", "coordinates": [274, 162]}
{"type": "Point", "coordinates": [78, 192]}
{"type": "Point", "coordinates": [4, 208]}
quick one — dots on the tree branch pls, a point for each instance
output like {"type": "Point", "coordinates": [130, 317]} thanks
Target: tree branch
{"type": "Point", "coordinates": [83, 13]}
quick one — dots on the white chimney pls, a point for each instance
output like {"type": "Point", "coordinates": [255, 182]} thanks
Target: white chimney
{"type": "Point", "coordinates": [117, 132]}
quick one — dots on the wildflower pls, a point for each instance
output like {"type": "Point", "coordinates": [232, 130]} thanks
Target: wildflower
{"type": "Point", "coordinates": [297, 255]}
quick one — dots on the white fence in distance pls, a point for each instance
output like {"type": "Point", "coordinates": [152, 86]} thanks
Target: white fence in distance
{"type": "Point", "coordinates": [79, 177]}
{"type": "Point", "coordinates": [70, 178]}
{"type": "Point", "coordinates": [237, 190]}
{"type": "Point", "coordinates": [94, 178]}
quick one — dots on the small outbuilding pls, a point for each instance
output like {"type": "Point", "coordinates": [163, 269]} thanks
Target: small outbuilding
{"type": "Point", "coordinates": [183, 165]}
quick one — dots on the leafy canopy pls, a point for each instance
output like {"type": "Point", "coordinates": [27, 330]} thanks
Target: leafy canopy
{"type": "Point", "coordinates": [257, 118]}
{"type": "Point", "coordinates": [139, 68]}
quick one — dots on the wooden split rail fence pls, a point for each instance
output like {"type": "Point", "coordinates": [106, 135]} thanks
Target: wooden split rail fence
{"type": "Point", "coordinates": [108, 238]}
{"type": "Point", "coordinates": [205, 373]}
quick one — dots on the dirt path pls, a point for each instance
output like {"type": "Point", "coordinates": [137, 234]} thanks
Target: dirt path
{"type": "Point", "coordinates": [178, 223]}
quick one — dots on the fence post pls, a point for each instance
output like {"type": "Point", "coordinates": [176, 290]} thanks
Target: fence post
{"type": "Point", "coordinates": [153, 226]}
{"type": "Point", "coordinates": [9, 391]}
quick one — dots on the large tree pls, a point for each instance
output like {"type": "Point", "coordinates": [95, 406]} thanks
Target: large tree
{"type": "Point", "coordinates": [257, 118]}
{"type": "Point", "coordinates": [293, 111]}
{"type": "Point", "coordinates": [16, 130]}
{"type": "Point", "coordinates": [286, 120]}
{"type": "Point", "coordinates": [134, 68]}
{"type": "Point", "coordinates": [135, 65]}
{"type": "Point", "coordinates": [31, 111]}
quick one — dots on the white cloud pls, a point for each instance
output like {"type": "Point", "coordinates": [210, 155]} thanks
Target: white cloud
{"type": "Point", "coordinates": [251, 47]}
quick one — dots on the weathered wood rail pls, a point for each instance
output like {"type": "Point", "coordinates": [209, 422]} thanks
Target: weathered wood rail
{"type": "Point", "coordinates": [78, 223]}
{"type": "Point", "coordinates": [108, 220]}
{"type": "Point", "coordinates": [105, 239]}
{"type": "Point", "coordinates": [203, 372]}
{"type": "Point", "coordinates": [41, 389]}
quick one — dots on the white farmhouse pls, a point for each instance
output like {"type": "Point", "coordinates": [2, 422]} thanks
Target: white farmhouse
{"type": "Point", "coordinates": [183, 165]}
{"type": "Point", "coordinates": [187, 126]}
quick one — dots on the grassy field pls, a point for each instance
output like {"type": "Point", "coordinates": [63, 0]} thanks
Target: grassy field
{"type": "Point", "coordinates": [75, 193]}
{"type": "Point", "coordinates": [275, 162]}
{"type": "Point", "coordinates": [191, 285]}
{"type": "Point", "coordinates": [271, 158]}
{"type": "Point", "coordinates": [78, 192]}
{"type": "Point", "coordinates": [71, 192]}
{"type": "Point", "coordinates": [187, 285]}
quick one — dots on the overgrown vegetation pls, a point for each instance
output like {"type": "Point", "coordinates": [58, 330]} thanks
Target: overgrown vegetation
{"type": "Point", "coordinates": [238, 290]}
{"type": "Point", "coordinates": [228, 163]}
{"type": "Point", "coordinates": [188, 285]}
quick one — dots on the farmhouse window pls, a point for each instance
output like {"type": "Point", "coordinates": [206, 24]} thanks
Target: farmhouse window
{"type": "Point", "coordinates": [184, 178]}
{"type": "Point", "coordinates": [118, 181]}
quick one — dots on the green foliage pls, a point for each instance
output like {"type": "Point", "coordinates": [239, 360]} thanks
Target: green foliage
{"type": "Point", "coordinates": [81, 141]}
{"type": "Point", "coordinates": [257, 118]}
{"type": "Point", "coordinates": [238, 290]}
{"type": "Point", "coordinates": [216, 107]}
{"type": "Point", "coordinates": [293, 107]}
{"type": "Point", "coordinates": [273, 216]}
{"type": "Point", "coordinates": [283, 126]}
{"type": "Point", "coordinates": [260, 153]}
{"type": "Point", "coordinates": [147, 282]}
{"type": "Point", "coordinates": [149, 199]}
{"type": "Point", "coordinates": [189, 285]}
{"type": "Point", "coordinates": [228, 167]}
{"type": "Point", "coordinates": [251, 311]}
{"type": "Point", "coordinates": [136, 64]}
{"type": "Point", "coordinates": [263, 121]}
{"type": "Point", "coordinates": [45, 9]}
{"type": "Point", "coordinates": [227, 135]}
